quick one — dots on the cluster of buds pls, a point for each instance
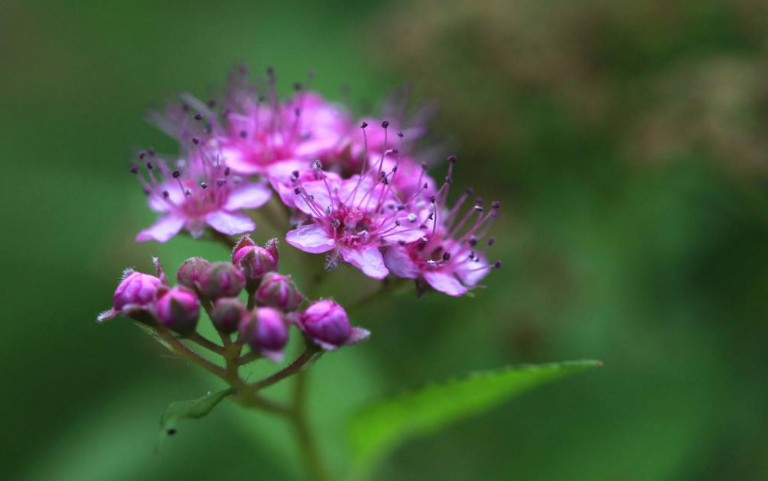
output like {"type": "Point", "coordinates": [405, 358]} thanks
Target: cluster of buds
{"type": "Point", "coordinates": [262, 321]}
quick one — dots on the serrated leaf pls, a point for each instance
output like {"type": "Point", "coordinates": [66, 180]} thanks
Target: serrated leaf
{"type": "Point", "coordinates": [193, 409]}
{"type": "Point", "coordinates": [380, 426]}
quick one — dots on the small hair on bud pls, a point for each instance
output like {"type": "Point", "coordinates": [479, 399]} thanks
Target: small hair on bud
{"type": "Point", "coordinates": [385, 123]}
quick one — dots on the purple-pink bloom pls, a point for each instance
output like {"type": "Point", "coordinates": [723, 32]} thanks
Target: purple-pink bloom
{"type": "Point", "coordinates": [198, 191]}
{"type": "Point", "coordinates": [178, 309]}
{"type": "Point", "coordinates": [254, 261]}
{"type": "Point", "coordinates": [327, 325]}
{"type": "Point", "coordinates": [449, 256]}
{"type": "Point", "coordinates": [266, 331]}
{"type": "Point", "coordinates": [136, 292]}
{"type": "Point", "coordinates": [262, 134]}
{"type": "Point", "coordinates": [279, 291]}
{"type": "Point", "coordinates": [352, 218]}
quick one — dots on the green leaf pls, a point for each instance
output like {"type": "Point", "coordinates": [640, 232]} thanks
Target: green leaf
{"type": "Point", "coordinates": [380, 426]}
{"type": "Point", "coordinates": [194, 409]}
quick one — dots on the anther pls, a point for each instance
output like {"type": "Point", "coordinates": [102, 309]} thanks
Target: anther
{"type": "Point", "coordinates": [176, 174]}
{"type": "Point", "coordinates": [452, 159]}
{"type": "Point", "coordinates": [399, 134]}
{"type": "Point", "coordinates": [385, 124]}
{"type": "Point", "coordinates": [227, 172]}
{"type": "Point", "coordinates": [166, 194]}
{"type": "Point", "coordinates": [364, 125]}
{"type": "Point", "coordinates": [150, 166]}
{"type": "Point", "coordinates": [446, 256]}
{"type": "Point", "coordinates": [151, 152]}
{"type": "Point", "coordinates": [204, 185]}
{"type": "Point", "coordinates": [491, 240]}
{"type": "Point", "coordinates": [195, 140]}
{"type": "Point", "coordinates": [432, 198]}
{"type": "Point", "coordinates": [220, 182]}
{"type": "Point", "coordinates": [198, 116]}
{"type": "Point", "coordinates": [134, 169]}
{"type": "Point", "coordinates": [473, 241]}
{"type": "Point", "coordinates": [297, 191]}
{"type": "Point", "coordinates": [243, 134]}
{"type": "Point", "coordinates": [142, 154]}
{"type": "Point", "coordinates": [496, 204]}
{"type": "Point", "coordinates": [497, 264]}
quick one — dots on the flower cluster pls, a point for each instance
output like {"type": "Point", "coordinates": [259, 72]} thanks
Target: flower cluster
{"type": "Point", "coordinates": [353, 189]}
{"type": "Point", "coordinates": [355, 195]}
{"type": "Point", "coordinates": [274, 302]}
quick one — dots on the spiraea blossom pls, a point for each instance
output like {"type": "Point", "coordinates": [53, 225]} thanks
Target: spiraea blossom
{"type": "Point", "coordinates": [449, 256]}
{"type": "Point", "coordinates": [353, 218]}
{"type": "Point", "coordinates": [196, 192]}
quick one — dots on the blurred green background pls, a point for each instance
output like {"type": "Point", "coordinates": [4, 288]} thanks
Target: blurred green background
{"type": "Point", "coordinates": [627, 141]}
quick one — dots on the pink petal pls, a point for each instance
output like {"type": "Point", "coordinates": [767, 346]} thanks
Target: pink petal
{"type": "Point", "coordinates": [310, 238]}
{"type": "Point", "coordinates": [230, 223]}
{"type": "Point", "coordinates": [358, 334]}
{"type": "Point", "coordinates": [237, 160]}
{"type": "Point", "coordinates": [368, 260]}
{"type": "Point", "coordinates": [162, 230]}
{"type": "Point", "coordinates": [248, 196]}
{"type": "Point", "coordinates": [399, 263]}
{"type": "Point", "coordinates": [445, 282]}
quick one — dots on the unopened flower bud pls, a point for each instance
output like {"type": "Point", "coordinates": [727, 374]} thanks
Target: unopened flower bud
{"type": "Point", "coordinates": [191, 270]}
{"type": "Point", "coordinates": [255, 261]}
{"type": "Point", "coordinates": [228, 313]}
{"type": "Point", "coordinates": [221, 279]}
{"type": "Point", "coordinates": [178, 309]}
{"type": "Point", "coordinates": [279, 291]}
{"type": "Point", "coordinates": [327, 324]}
{"type": "Point", "coordinates": [266, 332]}
{"type": "Point", "coordinates": [135, 293]}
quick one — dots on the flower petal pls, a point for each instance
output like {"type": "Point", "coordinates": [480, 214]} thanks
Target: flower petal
{"type": "Point", "coordinates": [237, 160]}
{"type": "Point", "coordinates": [369, 260]}
{"type": "Point", "coordinates": [445, 282]}
{"type": "Point", "coordinates": [248, 196]}
{"type": "Point", "coordinates": [310, 238]}
{"type": "Point", "coordinates": [162, 230]}
{"type": "Point", "coordinates": [357, 334]}
{"type": "Point", "coordinates": [230, 223]}
{"type": "Point", "coordinates": [399, 263]}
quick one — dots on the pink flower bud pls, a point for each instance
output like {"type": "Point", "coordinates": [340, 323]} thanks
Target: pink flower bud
{"type": "Point", "coordinates": [266, 331]}
{"type": "Point", "coordinates": [255, 261]}
{"type": "Point", "coordinates": [191, 270]}
{"type": "Point", "coordinates": [279, 291]}
{"type": "Point", "coordinates": [327, 324]}
{"type": "Point", "coordinates": [221, 279]}
{"type": "Point", "coordinates": [228, 313]}
{"type": "Point", "coordinates": [136, 290]}
{"type": "Point", "coordinates": [178, 309]}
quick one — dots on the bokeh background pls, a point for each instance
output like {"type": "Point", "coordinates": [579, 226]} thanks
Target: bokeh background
{"type": "Point", "coordinates": [627, 141]}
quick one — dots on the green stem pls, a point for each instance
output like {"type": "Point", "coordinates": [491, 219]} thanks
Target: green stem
{"type": "Point", "coordinates": [294, 368]}
{"type": "Point", "coordinates": [314, 464]}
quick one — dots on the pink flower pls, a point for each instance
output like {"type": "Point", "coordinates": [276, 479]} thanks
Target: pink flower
{"type": "Point", "coordinates": [266, 332]}
{"type": "Point", "coordinates": [198, 192]}
{"type": "Point", "coordinates": [262, 134]}
{"type": "Point", "coordinates": [327, 324]}
{"type": "Point", "coordinates": [136, 293]}
{"type": "Point", "coordinates": [447, 257]}
{"type": "Point", "coordinates": [353, 218]}
{"type": "Point", "coordinates": [178, 309]}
